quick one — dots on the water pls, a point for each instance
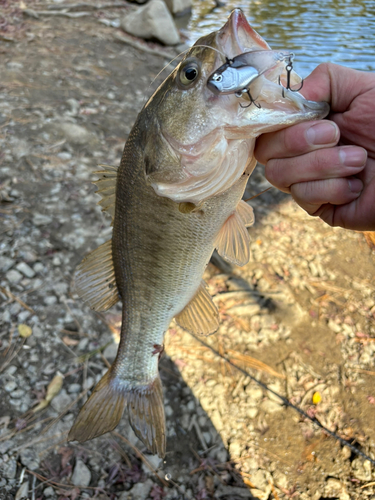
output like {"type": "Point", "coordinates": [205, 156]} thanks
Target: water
{"type": "Point", "coordinates": [339, 31]}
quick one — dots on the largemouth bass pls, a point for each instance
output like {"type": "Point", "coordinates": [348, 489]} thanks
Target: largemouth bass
{"type": "Point", "coordinates": [175, 198]}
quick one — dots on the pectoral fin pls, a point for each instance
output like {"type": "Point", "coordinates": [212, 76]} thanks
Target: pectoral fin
{"type": "Point", "coordinates": [233, 241]}
{"type": "Point", "coordinates": [200, 315]}
{"type": "Point", "coordinates": [107, 188]}
{"type": "Point", "coordinates": [94, 279]}
{"type": "Point", "coordinates": [246, 213]}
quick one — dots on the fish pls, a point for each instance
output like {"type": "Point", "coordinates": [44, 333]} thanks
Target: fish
{"type": "Point", "coordinates": [175, 198]}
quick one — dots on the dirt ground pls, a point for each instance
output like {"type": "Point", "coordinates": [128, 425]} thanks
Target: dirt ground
{"type": "Point", "coordinates": [299, 317]}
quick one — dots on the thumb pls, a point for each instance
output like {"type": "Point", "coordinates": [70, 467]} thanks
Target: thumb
{"type": "Point", "coordinates": [337, 85]}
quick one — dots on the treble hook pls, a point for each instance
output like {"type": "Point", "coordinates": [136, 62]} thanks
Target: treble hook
{"type": "Point", "coordinates": [289, 68]}
{"type": "Point", "coordinates": [252, 101]}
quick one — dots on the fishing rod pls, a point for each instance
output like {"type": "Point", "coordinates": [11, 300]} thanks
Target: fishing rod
{"type": "Point", "coordinates": [286, 401]}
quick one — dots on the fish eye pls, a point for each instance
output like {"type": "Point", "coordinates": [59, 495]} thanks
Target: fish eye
{"type": "Point", "coordinates": [189, 73]}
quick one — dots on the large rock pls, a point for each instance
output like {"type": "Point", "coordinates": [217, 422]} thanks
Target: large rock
{"type": "Point", "coordinates": [152, 21]}
{"type": "Point", "coordinates": [179, 7]}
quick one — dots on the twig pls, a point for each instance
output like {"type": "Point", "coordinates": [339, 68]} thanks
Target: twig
{"type": "Point", "coordinates": [85, 5]}
{"type": "Point", "coordinates": [367, 485]}
{"type": "Point", "coordinates": [13, 355]}
{"type": "Point", "coordinates": [256, 195]}
{"type": "Point", "coordinates": [36, 13]}
{"type": "Point", "coordinates": [13, 298]}
{"type": "Point", "coordinates": [286, 401]}
{"type": "Point", "coordinates": [194, 423]}
{"type": "Point", "coordinates": [141, 456]}
{"type": "Point", "coordinates": [140, 46]}
{"type": "Point", "coordinates": [122, 452]}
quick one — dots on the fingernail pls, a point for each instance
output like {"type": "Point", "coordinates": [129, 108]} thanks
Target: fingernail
{"type": "Point", "coordinates": [355, 185]}
{"type": "Point", "coordinates": [322, 133]}
{"type": "Point", "coordinates": [353, 156]}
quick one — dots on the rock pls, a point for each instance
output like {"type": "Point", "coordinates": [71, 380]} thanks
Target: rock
{"type": "Point", "coordinates": [179, 7]}
{"type": "Point", "coordinates": [22, 491]}
{"type": "Point", "coordinates": [361, 469]}
{"type": "Point", "coordinates": [61, 401]}
{"type": "Point", "coordinates": [10, 386]}
{"type": "Point", "coordinates": [155, 462]}
{"type": "Point", "coordinates": [13, 276]}
{"type": "Point", "coordinates": [139, 490]}
{"type": "Point", "coordinates": [49, 492]}
{"type": "Point", "coordinates": [29, 458]}
{"type": "Point", "coordinates": [110, 352]}
{"type": "Point", "coordinates": [6, 263]}
{"type": "Point", "coordinates": [76, 134]}
{"type": "Point", "coordinates": [270, 406]}
{"type": "Point", "coordinates": [41, 219]}
{"type": "Point", "coordinates": [25, 270]}
{"type": "Point", "coordinates": [9, 468]}
{"type": "Point", "coordinates": [224, 491]}
{"type": "Point", "coordinates": [81, 475]}
{"type": "Point", "coordinates": [245, 310]}
{"type": "Point", "coordinates": [152, 21]}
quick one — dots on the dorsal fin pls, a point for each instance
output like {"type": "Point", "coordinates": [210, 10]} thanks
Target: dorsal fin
{"type": "Point", "coordinates": [107, 188]}
{"type": "Point", "coordinates": [200, 315]}
{"type": "Point", "coordinates": [94, 279]}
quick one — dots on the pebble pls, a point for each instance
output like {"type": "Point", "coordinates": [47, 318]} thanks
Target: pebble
{"type": "Point", "coordinates": [22, 492]}
{"type": "Point", "coordinates": [50, 301]}
{"type": "Point", "coordinates": [270, 406]}
{"type": "Point", "coordinates": [6, 263]}
{"type": "Point", "coordinates": [73, 388]}
{"type": "Point", "coordinates": [49, 492]}
{"type": "Point", "coordinates": [25, 270]}
{"type": "Point", "coordinates": [81, 475]}
{"type": "Point", "coordinates": [61, 401]}
{"type": "Point", "coordinates": [139, 490]}
{"type": "Point", "coordinates": [41, 219]}
{"type": "Point", "coordinates": [9, 468]}
{"type": "Point", "coordinates": [10, 386]}
{"type": "Point", "coordinates": [30, 458]}
{"type": "Point", "coordinates": [110, 352]}
{"type": "Point", "coordinates": [13, 276]}
{"type": "Point", "coordinates": [19, 393]}
{"type": "Point", "coordinates": [38, 267]}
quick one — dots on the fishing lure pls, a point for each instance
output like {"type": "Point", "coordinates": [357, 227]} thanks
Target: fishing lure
{"type": "Point", "coordinates": [236, 75]}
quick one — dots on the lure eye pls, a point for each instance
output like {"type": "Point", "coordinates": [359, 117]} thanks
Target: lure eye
{"type": "Point", "coordinates": [189, 73]}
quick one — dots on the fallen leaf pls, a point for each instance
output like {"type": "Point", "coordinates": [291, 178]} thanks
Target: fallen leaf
{"type": "Point", "coordinates": [70, 342]}
{"type": "Point", "coordinates": [53, 389]}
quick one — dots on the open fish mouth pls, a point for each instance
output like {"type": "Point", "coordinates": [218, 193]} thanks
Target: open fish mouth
{"type": "Point", "coordinates": [267, 91]}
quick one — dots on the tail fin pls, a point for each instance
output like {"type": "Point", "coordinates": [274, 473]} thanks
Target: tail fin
{"type": "Point", "coordinates": [103, 410]}
{"type": "Point", "coordinates": [146, 416]}
{"type": "Point", "coordinates": [101, 413]}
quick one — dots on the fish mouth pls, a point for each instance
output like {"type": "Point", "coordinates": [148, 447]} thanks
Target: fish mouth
{"type": "Point", "coordinates": [237, 36]}
{"type": "Point", "coordinates": [268, 92]}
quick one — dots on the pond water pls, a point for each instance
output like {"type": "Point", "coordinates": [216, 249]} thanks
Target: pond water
{"type": "Point", "coordinates": [339, 31]}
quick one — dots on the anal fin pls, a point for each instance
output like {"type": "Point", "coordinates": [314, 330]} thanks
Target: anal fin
{"type": "Point", "coordinates": [233, 241]}
{"type": "Point", "coordinates": [102, 411]}
{"type": "Point", "coordinates": [200, 316]}
{"type": "Point", "coordinates": [94, 279]}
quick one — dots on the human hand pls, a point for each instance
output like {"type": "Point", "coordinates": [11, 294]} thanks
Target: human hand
{"type": "Point", "coordinates": [328, 166]}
